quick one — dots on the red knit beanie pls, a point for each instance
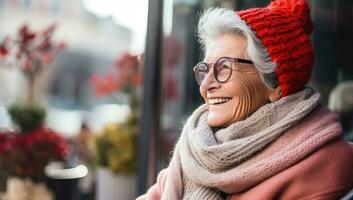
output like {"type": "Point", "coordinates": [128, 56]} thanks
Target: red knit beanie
{"type": "Point", "coordinates": [284, 27]}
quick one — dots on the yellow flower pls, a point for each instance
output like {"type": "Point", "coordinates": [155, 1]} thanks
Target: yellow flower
{"type": "Point", "coordinates": [116, 147]}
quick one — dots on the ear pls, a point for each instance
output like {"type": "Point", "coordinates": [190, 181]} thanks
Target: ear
{"type": "Point", "coordinates": [275, 94]}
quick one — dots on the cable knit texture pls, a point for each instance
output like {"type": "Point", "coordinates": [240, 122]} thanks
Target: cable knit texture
{"type": "Point", "coordinates": [284, 27]}
{"type": "Point", "coordinates": [277, 136]}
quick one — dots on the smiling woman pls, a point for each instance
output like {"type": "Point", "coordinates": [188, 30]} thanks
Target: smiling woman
{"type": "Point", "coordinates": [261, 133]}
{"type": "Point", "coordinates": [241, 94]}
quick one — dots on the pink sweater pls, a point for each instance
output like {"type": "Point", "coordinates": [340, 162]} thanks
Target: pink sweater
{"type": "Point", "coordinates": [327, 174]}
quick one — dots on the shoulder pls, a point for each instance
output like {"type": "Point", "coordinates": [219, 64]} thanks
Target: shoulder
{"type": "Point", "coordinates": [337, 150]}
{"type": "Point", "coordinates": [335, 158]}
{"type": "Point", "coordinates": [326, 174]}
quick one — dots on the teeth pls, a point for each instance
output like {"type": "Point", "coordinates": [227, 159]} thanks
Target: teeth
{"type": "Point", "coordinates": [218, 100]}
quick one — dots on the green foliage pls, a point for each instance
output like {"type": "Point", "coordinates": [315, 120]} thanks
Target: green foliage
{"type": "Point", "coordinates": [27, 117]}
{"type": "Point", "coordinates": [116, 147]}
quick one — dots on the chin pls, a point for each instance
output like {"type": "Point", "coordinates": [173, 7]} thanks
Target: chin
{"type": "Point", "coordinates": [214, 122]}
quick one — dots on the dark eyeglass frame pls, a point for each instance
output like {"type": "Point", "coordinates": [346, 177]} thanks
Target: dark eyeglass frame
{"type": "Point", "coordinates": [215, 72]}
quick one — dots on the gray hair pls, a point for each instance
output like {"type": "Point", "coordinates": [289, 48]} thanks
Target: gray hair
{"type": "Point", "coordinates": [219, 21]}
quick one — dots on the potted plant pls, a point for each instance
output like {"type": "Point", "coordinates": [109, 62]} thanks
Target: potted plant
{"type": "Point", "coordinates": [30, 146]}
{"type": "Point", "coordinates": [116, 145]}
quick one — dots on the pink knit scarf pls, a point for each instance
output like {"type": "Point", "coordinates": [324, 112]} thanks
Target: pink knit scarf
{"type": "Point", "coordinates": [275, 137]}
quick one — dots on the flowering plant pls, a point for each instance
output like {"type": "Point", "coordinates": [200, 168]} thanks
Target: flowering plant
{"type": "Point", "coordinates": [125, 76]}
{"type": "Point", "coordinates": [26, 155]}
{"type": "Point", "coordinates": [116, 145]}
{"type": "Point", "coordinates": [29, 51]}
{"type": "Point", "coordinates": [26, 151]}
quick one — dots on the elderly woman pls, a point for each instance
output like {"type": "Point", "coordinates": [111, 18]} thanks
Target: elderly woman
{"type": "Point", "coordinates": [261, 134]}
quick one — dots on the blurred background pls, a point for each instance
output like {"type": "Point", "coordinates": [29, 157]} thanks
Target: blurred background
{"type": "Point", "coordinates": [113, 79]}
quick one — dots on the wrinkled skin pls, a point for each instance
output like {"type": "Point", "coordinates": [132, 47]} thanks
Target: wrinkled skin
{"type": "Point", "coordinates": [245, 88]}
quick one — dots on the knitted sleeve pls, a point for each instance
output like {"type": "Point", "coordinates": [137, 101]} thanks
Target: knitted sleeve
{"type": "Point", "coordinates": [156, 191]}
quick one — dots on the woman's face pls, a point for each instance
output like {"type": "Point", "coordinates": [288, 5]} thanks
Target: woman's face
{"type": "Point", "coordinates": [243, 93]}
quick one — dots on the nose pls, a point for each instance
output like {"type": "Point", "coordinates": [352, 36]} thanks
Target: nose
{"type": "Point", "coordinates": [209, 82]}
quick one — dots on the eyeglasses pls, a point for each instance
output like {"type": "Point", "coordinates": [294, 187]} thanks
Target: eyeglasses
{"type": "Point", "coordinates": [222, 69]}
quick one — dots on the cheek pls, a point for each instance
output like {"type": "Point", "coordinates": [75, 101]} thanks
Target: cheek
{"type": "Point", "coordinates": [248, 94]}
{"type": "Point", "coordinates": [241, 88]}
{"type": "Point", "coordinates": [246, 88]}
{"type": "Point", "coordinates": [256, 92]}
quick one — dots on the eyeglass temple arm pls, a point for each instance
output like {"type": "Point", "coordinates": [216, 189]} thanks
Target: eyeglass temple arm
{"type": "Point", "coordinates": [243, 60]}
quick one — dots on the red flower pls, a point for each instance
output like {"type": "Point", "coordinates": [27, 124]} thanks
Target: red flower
{"type": "Point", "coordinates": [127, 61]}
{"type": "Point", "coordinates": [3, 51]}
{"type": "Point", "coordinates": [4, 142]}
{"type": "Point", "coordinates": [3, 47]}
{"type": "Point", "coordinates": [126, 76]}
{"type": "Point", "coordinates": [104, 85]}
{"type": "Point", "coordinates": [26, 155]}
{"type": "Point", "coordinates": [26, 35]}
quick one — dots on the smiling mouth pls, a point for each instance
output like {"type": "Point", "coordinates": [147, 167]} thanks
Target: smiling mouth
{"type": "Point", "coordinates": [217, 101]}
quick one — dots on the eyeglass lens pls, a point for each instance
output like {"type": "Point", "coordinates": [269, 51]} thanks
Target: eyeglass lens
{"type": "Point", "coordinates": [222, 70]}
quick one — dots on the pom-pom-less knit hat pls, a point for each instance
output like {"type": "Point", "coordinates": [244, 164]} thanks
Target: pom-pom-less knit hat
{"type": "Point", "coordinates": [284, 27]}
